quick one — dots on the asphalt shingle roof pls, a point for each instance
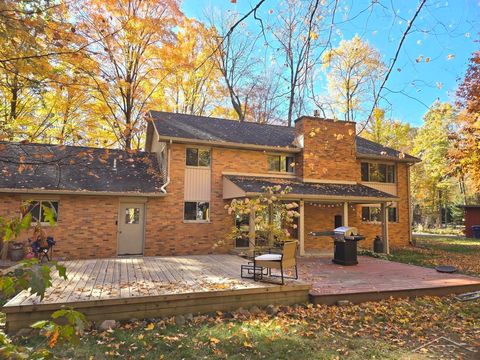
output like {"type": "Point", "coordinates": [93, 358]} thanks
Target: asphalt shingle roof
{"type": "Point", "coordinates": [204, 128]}
{"type": "Point", "coordinates": [222, 130]}
{"type": "Point", "coordinates": [257, 185]}
{"type": "Point", "coordinates": [72, 168]}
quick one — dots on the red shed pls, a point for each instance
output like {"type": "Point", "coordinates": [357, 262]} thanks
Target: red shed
{"type": "Point", "coordinates": [472, 217]}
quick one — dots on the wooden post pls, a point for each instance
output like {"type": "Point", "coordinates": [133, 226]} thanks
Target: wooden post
{"type": "Point", "coordinates": [301, 228]}
{"type": "Point", "coordinates": [345, 213]}
{"type": "Point", "coordinates": [251, 230]}
{"type": "Point", "coordinates": [270, 225]}
{"type": "Point", "coordinates": [386, 244]}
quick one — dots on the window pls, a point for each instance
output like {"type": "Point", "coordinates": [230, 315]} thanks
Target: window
{"type": "Point", "coordinates": [242, 224]}
{"type": "Point", "coordinates": [41, 208]}
{"type": "Point", "coordinates": [375, 172]}
{"type": "Point", "coordinates": [196, 211]}
{"type": "Point", "coordinates": [198, 157]}
{"type": "Point", "coordinates": [132, 215]}
{"type": "Point", "coordinates": [374, 214]}
{"type": "Point", "coordinates": [392, 214]}
{"type": "Point", "coordinates": [281, 163]}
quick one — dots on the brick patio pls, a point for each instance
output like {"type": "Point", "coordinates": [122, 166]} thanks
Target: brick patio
{"type": "Point", "coordinates": [375, 279]}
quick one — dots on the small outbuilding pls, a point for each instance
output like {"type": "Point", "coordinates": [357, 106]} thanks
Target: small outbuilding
{"type": "Point", "coordinates": [472, 219]}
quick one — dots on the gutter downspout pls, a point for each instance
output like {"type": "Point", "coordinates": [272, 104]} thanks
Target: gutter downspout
{"type": "Point", "coordinates": [163, 188]}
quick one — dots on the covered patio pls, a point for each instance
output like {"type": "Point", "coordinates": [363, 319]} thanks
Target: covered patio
{"type": "Point", "coordinates": [322, 206]}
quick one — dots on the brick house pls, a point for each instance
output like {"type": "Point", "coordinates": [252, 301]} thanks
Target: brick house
{"type": "Point", "coordinates": [170, 200]}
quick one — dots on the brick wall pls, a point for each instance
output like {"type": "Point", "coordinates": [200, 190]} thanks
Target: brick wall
{"type": "Point", "coordinates": [329, 149]}
{"type": "Point", "coordinates": [321, 219]}
{"type": "Point", "coordinates": [86, 226]}
{"type": "Point", "coordinates": [168, 234]}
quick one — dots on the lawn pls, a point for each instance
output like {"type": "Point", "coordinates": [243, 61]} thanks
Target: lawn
{"type": "Point", "coordinates": [389, 329]}
{"type": "Point", "coordinates": [433, 251]}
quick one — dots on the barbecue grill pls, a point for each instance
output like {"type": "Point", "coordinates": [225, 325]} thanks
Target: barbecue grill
{"type": "Point", "coordinates": [344, 243]}
{"type": "Point", "coordinates": [345, 240]}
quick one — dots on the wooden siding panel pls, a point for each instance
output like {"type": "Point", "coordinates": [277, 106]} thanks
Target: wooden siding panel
{"type": "Point", "coordinates": [389, 188]}
{"type": "Point", "coordinates": [197, 184]}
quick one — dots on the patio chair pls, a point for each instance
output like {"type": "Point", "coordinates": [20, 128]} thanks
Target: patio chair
{"type": "Point", "coordinates": [284, 260]}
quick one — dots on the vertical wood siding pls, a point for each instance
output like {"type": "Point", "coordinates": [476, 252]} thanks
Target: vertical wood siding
{"type": "Point", "coordinates": [197, 184]}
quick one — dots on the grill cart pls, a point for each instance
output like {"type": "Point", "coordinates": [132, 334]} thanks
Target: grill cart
{"type": "Point", "coordinates": [345, 240]}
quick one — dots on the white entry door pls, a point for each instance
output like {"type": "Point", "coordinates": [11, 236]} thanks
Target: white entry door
{"type": "Point", "coordinates": [131, 228]}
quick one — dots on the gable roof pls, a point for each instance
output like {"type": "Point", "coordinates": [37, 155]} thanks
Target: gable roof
{"type": "Point", "coordinates": [221, 130]}
{"type": "Point", "coordinates": [256, 185]}
{"type": "Point", "coordinates": [210, 129]}
{"type": "Point", "coordinates": [54, 168]}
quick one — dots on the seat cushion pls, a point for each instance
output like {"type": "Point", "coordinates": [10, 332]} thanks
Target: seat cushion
{"type": "Point", "coordinates": [269, 257]}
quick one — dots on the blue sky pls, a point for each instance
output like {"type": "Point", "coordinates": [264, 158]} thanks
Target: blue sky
{"type": "Point", "coordinates": [442, 41]}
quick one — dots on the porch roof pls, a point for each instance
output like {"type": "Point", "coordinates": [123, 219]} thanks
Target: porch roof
{"type": "Point", "coordinates": [244, 186]}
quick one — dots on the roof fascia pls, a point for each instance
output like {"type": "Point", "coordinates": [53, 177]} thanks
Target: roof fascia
{"type": "Point", "coordinates": [387, 158]}
{"type": "Point", "coordinates": [80, 192]}
{"type": "Point", "coordinates": [227, 144]}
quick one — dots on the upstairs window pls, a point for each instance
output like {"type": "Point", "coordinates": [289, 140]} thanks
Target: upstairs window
{"type": "Point", "coordinates": [375, 172]}
{"type": "Point", "coordinates": [198, 157]}
{"type": "Point", "coordinates": [281, 163]}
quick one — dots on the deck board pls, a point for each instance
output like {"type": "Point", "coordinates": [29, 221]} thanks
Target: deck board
{"type": "Point", "coordinates": [120, 288]}
{"type": "Point", "coordinates": [116, 278]}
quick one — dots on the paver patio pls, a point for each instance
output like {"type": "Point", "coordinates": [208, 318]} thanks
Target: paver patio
{"type": "Point", "coordinates": [374, 279]}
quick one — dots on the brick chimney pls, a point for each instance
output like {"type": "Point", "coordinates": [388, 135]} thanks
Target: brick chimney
{"type": "Point", "coordinates": [328, 149]}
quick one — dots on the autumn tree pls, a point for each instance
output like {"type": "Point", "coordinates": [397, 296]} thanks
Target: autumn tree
{"type": "Point", "coordinates": [126, 68]}
{"type": "Point", "coordinates": [194, 83]}
{"type": "Point", "coordinates": [432, 186]}
{"type": "Point", "coordinates": [389, 132]}
{"type": "Point", "coordinates": [28, 30]}
{"type": "Point", "coordinates": [465, 150]}
{"type": "Point", "coordinates": [354, 68]}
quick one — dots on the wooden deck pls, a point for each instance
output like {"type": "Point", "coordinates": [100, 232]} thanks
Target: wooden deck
{"type": "Point", "coordinates": [147, 287]}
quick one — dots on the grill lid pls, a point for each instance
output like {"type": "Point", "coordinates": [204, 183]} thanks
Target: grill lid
{"type": "Point", "coordinates": [346, 231]}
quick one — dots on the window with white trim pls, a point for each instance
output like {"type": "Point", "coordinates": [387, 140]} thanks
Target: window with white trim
{"type": "Point", "coordinates": [196, 211]}
{"type": "Point", "coordinates": [199, 157]}
{"type": "Point", "coordinates": [40, 208]}
{"type": "Point", "coordinates": [374, 214]}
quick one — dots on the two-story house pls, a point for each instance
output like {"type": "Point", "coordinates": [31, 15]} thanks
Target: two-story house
{"type": "Point", "coordinates": [170, 200]}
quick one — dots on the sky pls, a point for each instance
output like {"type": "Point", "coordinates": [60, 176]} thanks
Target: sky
{"type": "Point", "coordinates": [432, 60]}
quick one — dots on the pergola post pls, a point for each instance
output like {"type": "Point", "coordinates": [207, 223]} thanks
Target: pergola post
{"type": "Point", "coordinates": [386, 243]}
{"type": "Point", "coordinates": [301, 228]}
{"type": "Point", "coordinates": [345, 213]}
{"type": "Point", "coordinates": [251, 230]}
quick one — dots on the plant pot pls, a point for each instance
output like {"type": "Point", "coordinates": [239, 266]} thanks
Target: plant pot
{"type": "Point", "coordinates": [17, 254]}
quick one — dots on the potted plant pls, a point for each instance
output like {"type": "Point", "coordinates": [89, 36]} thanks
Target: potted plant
{"type": "Point", "coordinates": [17, 250]}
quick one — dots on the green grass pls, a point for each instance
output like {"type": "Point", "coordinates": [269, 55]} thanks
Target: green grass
{"type": "Point", "coordinates": [388, 329]}
{"type": "Point", "coordinates": [227, 339]}
{"type": "Point", "coordinates": [433, 251]}
{"type": "Point", "coordinates": [457, 245]}
{"type": "Point", "coordinates": [411, 256]}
